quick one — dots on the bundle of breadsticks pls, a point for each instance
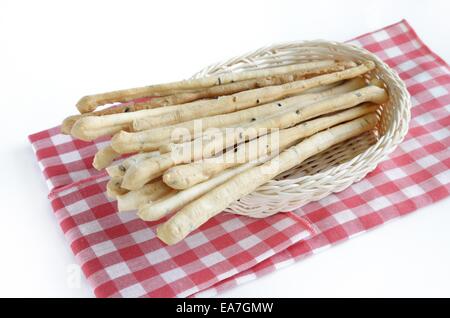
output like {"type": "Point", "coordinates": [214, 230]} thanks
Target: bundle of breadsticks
{"type": "Point", "coordinates": [195, 146]}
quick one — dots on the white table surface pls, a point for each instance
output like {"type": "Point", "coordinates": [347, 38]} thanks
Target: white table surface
{"type": "Point", "coordinates": [53, 52]}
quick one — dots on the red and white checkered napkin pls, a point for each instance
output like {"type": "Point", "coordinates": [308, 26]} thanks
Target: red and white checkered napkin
{"type": "Point", "coordinates": [121, 256]}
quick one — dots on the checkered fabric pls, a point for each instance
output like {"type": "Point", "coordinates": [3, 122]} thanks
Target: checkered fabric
{"type": "Point", "coordinates": [121, 257]}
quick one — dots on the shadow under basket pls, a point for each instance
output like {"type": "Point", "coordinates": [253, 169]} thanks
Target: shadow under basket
{"type": "Point", "coordinates": [336, 168]}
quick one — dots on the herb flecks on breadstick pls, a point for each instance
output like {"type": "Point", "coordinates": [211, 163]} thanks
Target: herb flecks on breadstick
{"type": "Point", "coordinates": [288, 118]}
{"type": "Point", "coordinates": [156, 210]}
{"type": "Point", "coordinates": [236, 87]}
{"type": "Point", "coordinates": [253, 97]}
{"type": "Point", "coordinates": [187, 175]}
{"type": "Point", "coordinates": [125, 142]}
{"type": "Point", "coordinates": [210, 92]}
{"type": "Point", "coordinates": [210, 204]}
{"type": "Point", "coordinates": [232, 88]}
{"type": "Point", "coordinates": [90, 103]}
{"type": "Point", "coordinates": [152, 168]}
{"type": "Point", "coordinates": [87, 128]}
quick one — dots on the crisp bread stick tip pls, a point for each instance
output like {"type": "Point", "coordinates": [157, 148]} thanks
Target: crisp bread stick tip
{"type": "Point", "coordinates": [173, 179]}
{"type": "Point", "coordinates": [68, 123]}
{"type": "Point", "coordinates": [119, 141]}
{"type": "Point", "coordinates": [168, 234]}
{"type": "Point", "coordinates": [82, 128]}
{"type": "Point", "coordinates": [134, 178]}
{"type": "Point", "coordinates": [143, 215]}
{"type": "Point", "coordinates": [78, 129]}
{"type": "Point", "coordinates": [104, 157]}
{"type": "Point", "coordinates": [382, 97]}
{"type": "Point", "coordinates": [85, 104]}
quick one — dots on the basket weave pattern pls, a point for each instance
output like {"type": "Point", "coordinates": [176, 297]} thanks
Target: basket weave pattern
{"type": "Point", "coordinates": [338, 167]}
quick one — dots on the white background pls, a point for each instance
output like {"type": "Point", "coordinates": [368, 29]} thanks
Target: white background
{"type": "Point", "coordinates": [51, 53]}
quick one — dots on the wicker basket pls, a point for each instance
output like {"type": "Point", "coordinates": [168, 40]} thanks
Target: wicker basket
{"type": "Point", "coordinates": [337, 168]}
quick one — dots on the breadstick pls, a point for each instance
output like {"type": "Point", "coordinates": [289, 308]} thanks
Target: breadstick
{"type": "Point", "coordinates": [90, 102]}
{"type": "Point", "coordinates": [113, 188]}
{"type": "Point", "coordinates": [68, 123]}
{"type": "Point", "coordinates": [207, 146]}
{"type": "Point", "coordinates": [147, 140]}
{"type": "Point", "coordinates": [227, 89]}
{"type": "Point", "coordinates": [253, 97]}
{"type": "Point", "coordinates": [126, 142]}
{"type": "Point", "coordinates": [187, 175]}
{"type": "Point", "coordinates": [148, 193]}
{"type": "Point", "coordinates": [235, 87]}
{"type": "Point", "coordinates": [231, 88]}
{"type": "Point", "coordinates": [92, 134]}
{"type": "Point", "coordinates": [210, 204]}
{"type": "Point", "coordinates": [211, 92]}
{"type": "Point", "coordinates": [84, 127]}
{"type": "Point", "coordinates": [237, 117]}
{"type": "Point", "coordinates": [320, 89]}
{"type": "Point", "coordinates": [119, 169]}
{"type": "Point", "coordinates": [141, 173]}
{"type": "Point", "coordinates": [122, 144]}
{"type": "Point", "coordinates": [292, 116]}
{"type": "Point", "coordinates": [155, 211]}
{"type": "Point", "coordinates": [104, 157]}
{"type": "Point", "coordinates": [91, 127]}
